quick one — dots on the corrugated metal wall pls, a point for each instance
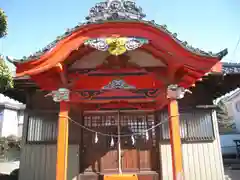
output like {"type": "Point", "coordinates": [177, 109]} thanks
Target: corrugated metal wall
{"type": "Point", "coordinates": [202, 161]}
{"type": "Point", "coordinates": [38, 162]}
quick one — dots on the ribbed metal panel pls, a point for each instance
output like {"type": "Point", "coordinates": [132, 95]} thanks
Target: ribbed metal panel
{"type": "Point", "coordinates": [201, 160]}
{"type": "Point", "coordinates": [38, 162]}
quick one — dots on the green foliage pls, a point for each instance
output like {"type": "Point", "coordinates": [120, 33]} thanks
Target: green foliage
{"type": "Point", "coordinates": [6, 80]}
{"type": "Point", "coordinates": [8, 144]}
{"type": "Point", "coordinates": [3, 24]}
{"type": "Point", "coordinates": [225, 122]}
{"type": "Point", "coordinates": [222, 113]}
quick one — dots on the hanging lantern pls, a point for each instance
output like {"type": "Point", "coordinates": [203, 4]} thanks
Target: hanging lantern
{"type": "Point", "coordinates": [133, 140]}
{"type": "Point", "coordinates": [96, 138]}
{"type": "Point", "coordinates": [112, 142]}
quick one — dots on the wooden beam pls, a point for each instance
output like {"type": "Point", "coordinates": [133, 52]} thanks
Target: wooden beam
{"type": "Point", "coordinates": [116, 111]}
{"type": "Point", "coordinates": [175, 140]}
{"type": "Point", "coordinates": [62, 142]}
{"type": "Point", "coordinates": [63, 74]}
{"type": "Point", "coordinates": [63, 78]}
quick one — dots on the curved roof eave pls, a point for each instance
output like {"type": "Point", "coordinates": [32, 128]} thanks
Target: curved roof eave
{"type": "Point", "coordinates": [162, 28]}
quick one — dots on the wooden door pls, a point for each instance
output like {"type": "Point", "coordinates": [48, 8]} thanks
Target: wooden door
{"type": "Point", "coordinates": [138, 152]}
{"type": "Point", "coordinates": [99, 156]}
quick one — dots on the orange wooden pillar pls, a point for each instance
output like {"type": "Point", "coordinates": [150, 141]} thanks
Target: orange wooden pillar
{"type": "Point", "coordinates": [175, 140]}
{"type": "Point", "coordinates": [62, 142]}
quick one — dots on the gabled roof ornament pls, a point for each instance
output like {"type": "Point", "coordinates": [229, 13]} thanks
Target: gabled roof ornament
{"type": "Point", "coordinates": [115, 10]}
{"type": "Point", "coordinates": [117, 84]}
{"type": "Point", "coordinates": [116, 45]}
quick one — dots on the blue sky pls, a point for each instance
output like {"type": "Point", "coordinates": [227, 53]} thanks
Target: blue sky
{"type": "Point", "coordinates": [211, 25]}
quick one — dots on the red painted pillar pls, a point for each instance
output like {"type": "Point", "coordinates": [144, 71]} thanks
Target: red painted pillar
{"type": "Point", "coordinates": [62, 142]}
{"type": "Point", "coordinates": [175, 140]}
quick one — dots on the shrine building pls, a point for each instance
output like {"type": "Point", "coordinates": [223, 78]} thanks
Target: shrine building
{"type": "Point", "coordinates": [119, 97]}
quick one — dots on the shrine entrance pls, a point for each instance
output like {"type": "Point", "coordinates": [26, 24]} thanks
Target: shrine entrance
{"type": "Point", "coordinates": [138, 143]}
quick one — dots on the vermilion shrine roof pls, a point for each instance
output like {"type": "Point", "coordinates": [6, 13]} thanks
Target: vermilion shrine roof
{"type": "Point", "coordinates": [117, 11]}
{"type": "Point", "coordinates": [126, 20]}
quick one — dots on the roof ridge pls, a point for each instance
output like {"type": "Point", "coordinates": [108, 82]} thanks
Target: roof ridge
{"type": "Point", "coordinates": [231, 63]}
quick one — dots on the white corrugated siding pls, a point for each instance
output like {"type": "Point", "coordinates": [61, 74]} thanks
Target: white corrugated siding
{"type": "Point", "coordinates": [38, 162]}
{"type": "Point", "coordinates": [201, 161]}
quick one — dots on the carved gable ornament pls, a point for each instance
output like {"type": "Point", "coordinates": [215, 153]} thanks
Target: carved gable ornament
{"type": "Point", "coordinates": [116, 45]}
{"type": "Point", "coordinates": [118, 84]}
{"type": "Point", "coordinates": [115, 10]}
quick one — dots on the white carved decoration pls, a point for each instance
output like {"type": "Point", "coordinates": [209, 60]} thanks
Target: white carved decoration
{"type": "Point", "coordinates": [62, 94]}
{"type": "Point", "coordinates": [176, 92]}
{"type": "Point", "coordinates": [118, 84]}
{"type": "Point", "coordinates": [116, 45]}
